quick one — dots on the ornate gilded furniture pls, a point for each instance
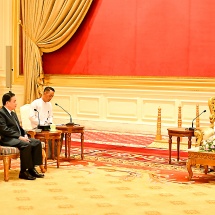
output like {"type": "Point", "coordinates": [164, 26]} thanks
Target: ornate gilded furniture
{"type": "Point", "coordinates": [203, 158]}
{"type": "Point", "coordinates": [203, 133]}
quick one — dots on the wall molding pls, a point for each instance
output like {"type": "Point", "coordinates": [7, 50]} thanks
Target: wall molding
{"type": "Point", "coordinates": [153, 83]}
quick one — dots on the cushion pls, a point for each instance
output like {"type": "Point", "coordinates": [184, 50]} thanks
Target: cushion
{"type": "Point", "coordinates": [7, 150]}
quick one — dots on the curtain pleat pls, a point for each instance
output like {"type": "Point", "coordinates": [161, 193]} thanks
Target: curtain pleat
{"type": "Point", "coordinates": [47, 25]}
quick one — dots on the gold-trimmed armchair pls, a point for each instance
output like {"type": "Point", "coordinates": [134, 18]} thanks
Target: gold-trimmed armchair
{"type": "Point", "coordinates": [203, 133]}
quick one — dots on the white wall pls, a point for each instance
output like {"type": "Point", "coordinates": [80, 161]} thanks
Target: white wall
{"type": "Point", "coordinates": [133, 111]}
{"type": "Point", "coordinates": [112, 109]}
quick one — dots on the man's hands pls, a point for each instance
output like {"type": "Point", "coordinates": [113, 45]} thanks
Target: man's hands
{"type": "Point", "coordinates": [25, 138]}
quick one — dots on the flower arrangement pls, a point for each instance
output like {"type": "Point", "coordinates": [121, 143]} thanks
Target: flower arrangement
{"type": "Point", "coordinates": [208, 145]}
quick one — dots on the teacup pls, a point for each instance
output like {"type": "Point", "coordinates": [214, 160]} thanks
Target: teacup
{"type": "Point", "coordinates": [53, 127]}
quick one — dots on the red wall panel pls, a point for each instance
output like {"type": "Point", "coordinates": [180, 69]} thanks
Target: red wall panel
{"type": "Point", "coordinates": [140, 38]}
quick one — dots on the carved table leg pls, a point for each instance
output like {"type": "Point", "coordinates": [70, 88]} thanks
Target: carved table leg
{"type": "Point", "coordinates": [58, 152]}
{"type": "Point", "coordinates": [47, 151]}
{"type": "Point", "coordinates": [69, 143]}
{"type": "Point", "coordinates": [189, 169]}
{"type": "Point", "coordinates": [43, 170]}
{"type": "Point", "coordinates": [206, 169]}
{"type": "Point", "coordinates": [170, 148]}
{"type": "Point", "coordinates": [66, 144]}
{"type": "Point", "coordinates": [178, 147]}
{"type": "Point", "coordinates": [82, 146]}
{"type": "Point", "coordinates": [189, 142]}
{"type": "Point", "coordinates": [53, 149]}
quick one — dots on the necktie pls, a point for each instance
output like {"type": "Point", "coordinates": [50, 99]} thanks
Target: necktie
{"type": "Point", "coordinates": [14, 117]}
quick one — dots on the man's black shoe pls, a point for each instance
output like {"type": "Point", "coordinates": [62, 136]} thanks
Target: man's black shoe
{"type": "Point", "coordinates": [36, 174]}
{"type": "Point", "coordinates": [26, 175]}
{"type": "Point", "coordinates": [210, 170]}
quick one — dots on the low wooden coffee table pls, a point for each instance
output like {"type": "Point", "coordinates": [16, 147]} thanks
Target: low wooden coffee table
{"type": "Point", "coordinates": [203, 158]}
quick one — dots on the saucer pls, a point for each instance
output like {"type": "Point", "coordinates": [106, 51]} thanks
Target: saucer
{"type": "Point", "coordinates": [38, 130]}
{"type": "Point", "coordinates": [44, 127]}
{"type": "Point", "coordinates": [53, 129]}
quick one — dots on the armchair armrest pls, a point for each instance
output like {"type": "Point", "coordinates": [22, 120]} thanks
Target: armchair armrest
{"type": "Point", "coordinates": [31, 133]}
{"type": "Point", "coordinates": [202, 134]}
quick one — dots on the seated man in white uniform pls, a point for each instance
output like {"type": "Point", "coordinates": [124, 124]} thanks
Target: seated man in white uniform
{"type": "Point", "coordinates": [41, 112]}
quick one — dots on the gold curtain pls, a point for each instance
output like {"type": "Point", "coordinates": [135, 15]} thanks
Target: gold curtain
{"type": "Point", "coordinates": [46, 25]}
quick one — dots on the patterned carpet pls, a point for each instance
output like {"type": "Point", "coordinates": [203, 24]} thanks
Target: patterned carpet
{"type": "Point", "coordinates": [137, 152]}
{"type": "Point", "coordinates": [81, 189]}
{"type": "Point", "coordinates": [132, 151]}
{"type": "Point", "coordinates": [153, 160]}
{"type": "Point", "coordinates": [113, 179]}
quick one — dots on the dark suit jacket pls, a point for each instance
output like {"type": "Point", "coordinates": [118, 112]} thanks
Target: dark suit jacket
{"type": "Point", "coordinates": [9, 131]}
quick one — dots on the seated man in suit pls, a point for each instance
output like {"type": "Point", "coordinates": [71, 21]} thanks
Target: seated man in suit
{"type": "Point", "coordinates": [13, 135]}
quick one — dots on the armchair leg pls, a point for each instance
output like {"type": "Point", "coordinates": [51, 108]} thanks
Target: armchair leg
{"type": "Point", "coordinates": [6, 163]}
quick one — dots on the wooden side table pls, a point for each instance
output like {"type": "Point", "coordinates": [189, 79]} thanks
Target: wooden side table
{"type": "Point", "coordinates": [68, 130]}
{"type": "Point", "coordinates": [179, 132]}
{"type": "Point", "coordinates": [203, 158]}
{"type": "Point", "coordinates": [55, 137]}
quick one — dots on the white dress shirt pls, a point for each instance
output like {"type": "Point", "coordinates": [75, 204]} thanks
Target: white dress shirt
{"type": "Point", "coordinates": [43, 115]}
